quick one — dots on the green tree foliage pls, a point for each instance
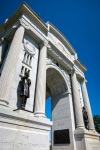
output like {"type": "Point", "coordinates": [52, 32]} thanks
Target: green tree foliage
{"type": "Point", "coordinates": [96, 119]}
{"type": "Point", "coordinates": [50, 147]}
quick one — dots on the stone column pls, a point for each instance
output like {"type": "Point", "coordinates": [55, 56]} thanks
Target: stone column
{"type": "Point", "coordinates": [7, 74]}
{"type": "Point", "coordinates": [1, 48]}
{"type": "Point", "coordinates": [87, 105]}
{"type": "Point", "coordinates": [41, 84]}
{"type": "Point", "coordinates": [77, 105]}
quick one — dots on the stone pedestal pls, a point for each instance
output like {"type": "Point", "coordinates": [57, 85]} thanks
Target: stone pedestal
{"type": "Point", "coordinates": [20, 130]}
{"type": "Point", "coordinates": [87, 139]}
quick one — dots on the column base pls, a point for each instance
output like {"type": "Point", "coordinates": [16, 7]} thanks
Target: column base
{"type": "Point", "coordinates": [80, 127]}
{"type": "Point", "coordinates": [39, 114]}
{"type": "Point", "coordinates": [92, 129]}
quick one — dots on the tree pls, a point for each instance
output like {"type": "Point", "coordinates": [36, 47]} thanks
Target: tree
{"type": "Point", "coordinates": [96, 119]}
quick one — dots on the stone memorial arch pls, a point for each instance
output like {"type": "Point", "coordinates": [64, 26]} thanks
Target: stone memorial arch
{"type": "Point", "coordinates": [28, 46]}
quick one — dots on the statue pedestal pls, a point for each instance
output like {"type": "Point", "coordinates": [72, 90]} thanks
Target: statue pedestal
{"type": "Point", "coordinates": [21, 131]}
{"type": "Point", "coordinates": [87, 139]}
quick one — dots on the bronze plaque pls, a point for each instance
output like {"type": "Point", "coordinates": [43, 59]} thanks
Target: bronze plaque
{"type": "Point", "coordinates": [61, 136]}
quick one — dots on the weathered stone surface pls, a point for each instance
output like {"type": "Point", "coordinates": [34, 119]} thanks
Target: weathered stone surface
{"type": "Point", "coordinates": [87, 140]}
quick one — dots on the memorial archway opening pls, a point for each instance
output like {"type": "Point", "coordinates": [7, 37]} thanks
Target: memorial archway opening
{"type": "Point", "coordinates": [56, 88]}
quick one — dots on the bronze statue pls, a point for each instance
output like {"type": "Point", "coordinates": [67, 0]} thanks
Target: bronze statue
{"type": "Point", "coordinates": [85, 117]}
{"type": "Point", "coordinates": [25, 89]}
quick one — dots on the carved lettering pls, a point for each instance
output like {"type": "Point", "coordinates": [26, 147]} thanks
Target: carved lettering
{"type": "Point", "coordinates": [21, 145]}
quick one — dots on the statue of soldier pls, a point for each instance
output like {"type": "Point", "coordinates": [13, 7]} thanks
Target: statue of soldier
{"type": "Point", "coordinates": [25, 89]}
{"type": "Point", "coordinates": [85, 117]}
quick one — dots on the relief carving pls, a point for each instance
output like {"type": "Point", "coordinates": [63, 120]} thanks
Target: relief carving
{"type": "Point", "coordinates": [29, 48]}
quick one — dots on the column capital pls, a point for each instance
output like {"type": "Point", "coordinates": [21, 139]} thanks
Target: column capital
{"type": "Point", "coordinates": [23, 23]}
{"type": "Point", "coordinates": [45, 43]}
{"type": "Point", "coordinates": [2, 40]}
{"type": "Point", "coordinates": [80, 76]}
{"type": "Point", "coordinates": [72, 71]}
{"type": "Point", "coordinates": [83, 80]}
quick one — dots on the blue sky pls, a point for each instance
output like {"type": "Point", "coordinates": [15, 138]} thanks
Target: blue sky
{"type": "Point", "coordinates": [79, 21]}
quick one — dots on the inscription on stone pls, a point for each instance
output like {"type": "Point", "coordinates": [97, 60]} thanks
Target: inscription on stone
{"type": "Point", "coordinates": [61, 136]}
{"type": "Point", "coordinates": [21, 145]}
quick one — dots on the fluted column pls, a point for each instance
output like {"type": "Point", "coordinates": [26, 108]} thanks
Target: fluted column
{"type": "Point", "coordinates": [87, 105]}
{"type": "Point", "coordinates": [7, 74]}
{"type": "Point", "coordinates": [0, 51]}
{"type": "Point", "coordinates": [77, 105]}
{"type": "Point", "coordinates": [1, 48]}
{"type": "Point", "coordinates": [41, 84]}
